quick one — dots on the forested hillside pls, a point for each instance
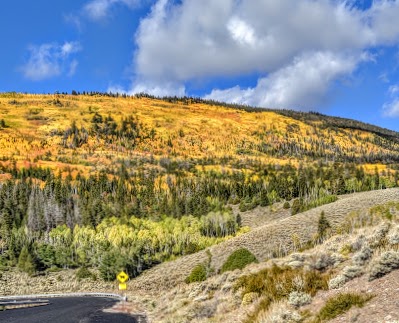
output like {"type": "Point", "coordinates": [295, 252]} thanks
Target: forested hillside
{"type": "Point", "coordinates": [128, 182]}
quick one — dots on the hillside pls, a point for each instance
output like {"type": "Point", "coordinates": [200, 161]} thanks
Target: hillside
{"type": "Point", "coordinates": [360, 221]}
{"type": "Point", "coordinates": [272, 240]}
{"type": "Point", "coordinates": [102, 183]}
{"type": "Point", "coordinates": [95, 160]}
{"type": "Point", "coordinates": [351, 258]}
{"type": "Point", "coordinates": [47, 129]}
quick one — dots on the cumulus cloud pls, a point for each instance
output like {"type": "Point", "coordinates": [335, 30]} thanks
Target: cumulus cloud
{"type": "Point", "coordinates": [99, 9]}
{"type": "Point", "coordinates": [383, 17]}
{"type": "Point", "coordinates": [176, 40]}
{"type": "Point", "coordinates": [163, 89]}
{"type": "Point", "coordinates": [301, 85]}
{"type": "Point", "coordinates": [299, 47]}
{"type": "Point", "coordinates": [156, 89]}
{"type": "Point", "coordinates": [50, 60]}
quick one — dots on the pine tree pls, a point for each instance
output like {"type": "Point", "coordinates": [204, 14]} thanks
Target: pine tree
{"type": "Point", "coordinates": [25, 261]}
{"type": "Point", "coordinates": [323, 225]}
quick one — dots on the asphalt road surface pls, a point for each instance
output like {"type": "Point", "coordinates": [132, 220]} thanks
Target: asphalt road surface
{"type": "Point", "coordinates": [67, 310]}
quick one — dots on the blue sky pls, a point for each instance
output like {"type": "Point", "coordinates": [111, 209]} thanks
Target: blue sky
{"type": "Point", "coordinates": [333, 56]}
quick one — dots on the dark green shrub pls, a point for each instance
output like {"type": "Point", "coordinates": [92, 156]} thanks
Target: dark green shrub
{"type": "Point", "coordinates": [296, 207]}
{"type": "Point", "coordinates": [83, 273]}
{"type": "Point", "coordinates": [286, 205]}
{"type": "Point", "coordinates": [53, 269]}
{"type": "Point", "coordinates": [198, 274]}
{"type": "Point", "coordinates": [238, 260]}
{"type": "Point", "coordinates": [248, 204]}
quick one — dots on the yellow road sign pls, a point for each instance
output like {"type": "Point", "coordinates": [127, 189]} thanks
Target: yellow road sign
{"type": "Point", "coordinates": [122, 277]}
{"type": "Point", "coordinates": [122, 286]}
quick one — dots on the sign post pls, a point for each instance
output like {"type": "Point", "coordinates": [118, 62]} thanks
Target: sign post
{"type": "Point", "coordinates": [122, 277]}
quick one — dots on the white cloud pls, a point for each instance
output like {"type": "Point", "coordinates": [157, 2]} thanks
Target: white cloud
{"type": "Point", "coordinates": [99, 9]}
{"type": "Point", "coordinates": [241, 32]}
{"type": "Point", "coordinates": [69, 48]}
{"type": "Point", "coordinates": [300, 85]}
{"type": "Point", "coordinates": [391, 109]}
{"type": "Point", "coordinates": [175, 40]}
{"type": "Point", "coordinates": [383, 16]}
{"type": "Point", "coordinates": [160, 90]}
{"type": "Point", "coordinates": [50, 60]}
{"type": "Point", "coordinates": [164, 89]}
{"type": "Point", "coordinates": [300, 48]}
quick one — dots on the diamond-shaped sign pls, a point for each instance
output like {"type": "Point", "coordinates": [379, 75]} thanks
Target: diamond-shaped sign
{"type": "Point", "coordinates": [122, 277]}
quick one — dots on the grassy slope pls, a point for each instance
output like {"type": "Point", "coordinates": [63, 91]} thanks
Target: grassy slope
{"type": "Point", "coordinates": [183, 131]}
{"type": "Point", "coordinates": [278, 236]}
{"type": "Point", "coordinates": [215, 301]}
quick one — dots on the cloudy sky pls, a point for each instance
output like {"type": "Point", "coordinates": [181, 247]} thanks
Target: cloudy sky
{"type": "Point", "coordinates": [339, 57]}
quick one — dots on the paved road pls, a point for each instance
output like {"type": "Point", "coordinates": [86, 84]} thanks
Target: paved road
{"type": "Point", "coordinates": [67, 310]}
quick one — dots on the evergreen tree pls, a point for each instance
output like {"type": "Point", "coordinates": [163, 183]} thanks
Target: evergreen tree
{"type": "Point", "coordinates": [25, 261]}
{"type": "Point", "coordinates": [323, 225]}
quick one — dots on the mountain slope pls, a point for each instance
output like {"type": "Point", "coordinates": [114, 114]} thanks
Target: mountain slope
{"type": "Point", "coordinates": [104, 183]}
{"type": "Point", "coordinates": [47, 128]}
{"type": "Point", "coordinates": [119, 168]}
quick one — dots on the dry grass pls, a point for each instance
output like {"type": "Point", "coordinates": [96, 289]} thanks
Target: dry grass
{"type": "Point", "coordinates": [220, 287]}
{"type": "Point", "coordinates": [265, 242]}
{"type": "Point", "coordinates": [14, 282]}
{"type": "Point", "coordinates": [262, 215]}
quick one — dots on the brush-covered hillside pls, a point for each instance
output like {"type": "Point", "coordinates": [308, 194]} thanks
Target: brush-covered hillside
{"type": "Point", "coordinates": [116, 183]}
